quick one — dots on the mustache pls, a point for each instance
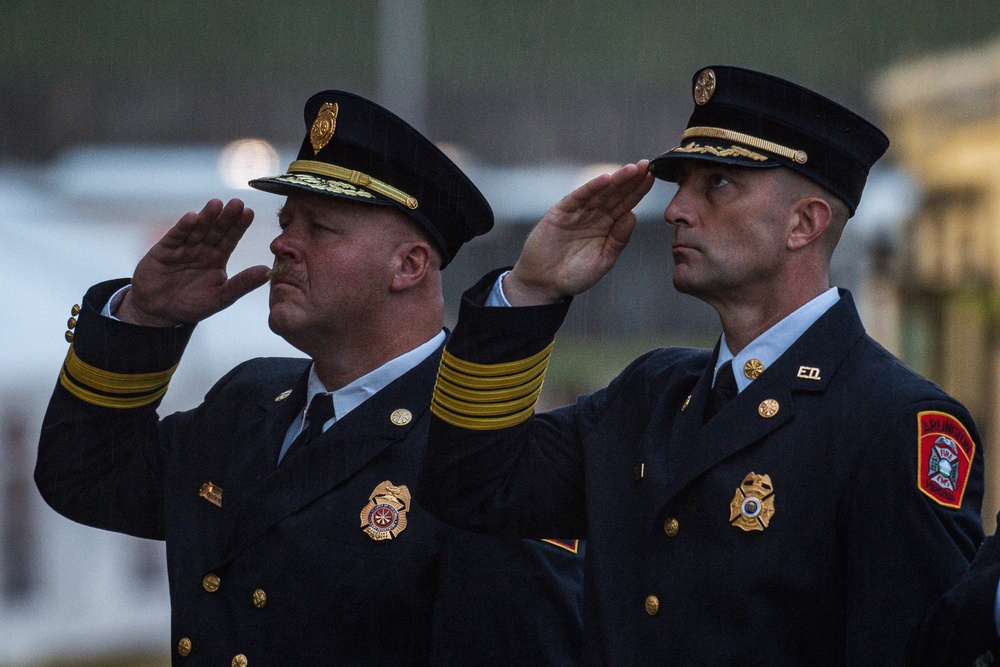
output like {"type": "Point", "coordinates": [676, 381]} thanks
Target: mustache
{"type": "Point", "coordinates": [285, 273]}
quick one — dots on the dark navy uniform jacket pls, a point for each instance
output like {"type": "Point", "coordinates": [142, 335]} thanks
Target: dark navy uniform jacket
{"type": "Point", "coordinates": [960, 630]}
{"type": "Point", "coordinates": [282, 573]}
{"type": "Point", "coordinates": [858, 541]}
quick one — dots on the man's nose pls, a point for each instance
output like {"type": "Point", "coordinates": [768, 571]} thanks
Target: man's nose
{"type": "Point", "coordinates": [286, 246]}
{"type": "Point", "coordinates": [678, 211]}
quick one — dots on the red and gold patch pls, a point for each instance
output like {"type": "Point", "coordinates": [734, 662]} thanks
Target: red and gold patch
{"type": "Point", "coordinates": [944, 457]}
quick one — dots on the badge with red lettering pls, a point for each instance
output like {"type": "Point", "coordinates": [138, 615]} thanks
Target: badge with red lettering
{"type": "Point", "coordinates": [945, 453]}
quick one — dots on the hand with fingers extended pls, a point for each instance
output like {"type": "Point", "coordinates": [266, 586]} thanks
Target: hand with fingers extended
{"type": "Point", "coordinates": [579, 239]}
{"type": "Point", "coordinates": [182, 279]}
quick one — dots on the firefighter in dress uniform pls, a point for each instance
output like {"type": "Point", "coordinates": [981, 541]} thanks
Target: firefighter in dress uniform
{"type": "Point", "coordinates": [795, 496]}
{"type": "Point", "coordinates": [286, 499]}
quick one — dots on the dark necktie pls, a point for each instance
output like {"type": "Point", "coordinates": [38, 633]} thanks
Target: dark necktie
{"type": "Point", "coordinates": [320, 412]}
{"type": "Point", "coordinates": [723, 390]}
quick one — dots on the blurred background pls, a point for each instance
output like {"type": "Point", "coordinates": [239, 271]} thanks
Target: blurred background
{"type": "Point", "coordinates": [117, 117]}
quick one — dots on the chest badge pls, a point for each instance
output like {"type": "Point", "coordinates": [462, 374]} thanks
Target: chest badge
{"type": "Point", "coordinates": [384, 517]}
{"type": "Point", "coordinates": [753, 504]}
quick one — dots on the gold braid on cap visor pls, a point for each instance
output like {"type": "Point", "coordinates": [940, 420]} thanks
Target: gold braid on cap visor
{"type": "Point", "coordinates": [797, 156]}
{"type": "Point", "coordinates": [353, 177]}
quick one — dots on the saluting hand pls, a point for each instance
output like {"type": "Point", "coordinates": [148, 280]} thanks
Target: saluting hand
{"type": "Point", "coordinates": [579, 239]}
{"type": "Point", "coordinates": [182, 279]}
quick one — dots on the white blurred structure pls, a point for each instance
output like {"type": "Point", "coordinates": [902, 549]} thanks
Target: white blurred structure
{"type": "Point", "coordinates": [68, 590]}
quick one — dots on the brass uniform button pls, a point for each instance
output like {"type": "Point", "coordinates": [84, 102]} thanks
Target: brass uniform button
{"type": "Point", "coordinates": [652, 605]}
{"type": "Point", "coordinates": [259, 598]}
{"type": "Point", "coordinates": [75, 310]}
{"type": "Point", "coordinates": [211, 582]}
{"type": "Point", "coordinates": [184, 647]}
{"type": "Point", "coordinates": [69, 336]}
{"type": "Point", "coordinates": [239, 660]}
{"type": "Point", "coordinates": [71, 322]}
{"type": "Point", "coordinates": [671, 526]}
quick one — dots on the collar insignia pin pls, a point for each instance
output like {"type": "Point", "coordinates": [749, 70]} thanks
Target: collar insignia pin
{"type": "Point", "coordinates": [808, 373]}
{"type": "Point", "coordinates": [753, 368]}
{"type": "Point", "coordinates": [768, 408]}
{"type": "Point", "coordinates": [401, 417]}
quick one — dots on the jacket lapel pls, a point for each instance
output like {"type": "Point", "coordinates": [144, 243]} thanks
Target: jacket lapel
{"type": "Point", "coordinates": [308, 473]}
{"type": "Point", "coordinates": [258, 441]}
{"type": "Point", "coordinates": [807, 366]}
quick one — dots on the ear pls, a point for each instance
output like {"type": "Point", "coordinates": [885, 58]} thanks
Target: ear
{"type": "Point", "coordinates": [811, 217]}
{"type": "Point", "coordinates": [412, 261]}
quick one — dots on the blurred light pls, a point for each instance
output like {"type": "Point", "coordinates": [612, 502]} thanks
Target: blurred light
{"type": "Point", "coordinates": [594, 170]}
{"type": "Point", "coordinates": [456, 153]}
{"type": "Point", "coordinates": [246, 159]}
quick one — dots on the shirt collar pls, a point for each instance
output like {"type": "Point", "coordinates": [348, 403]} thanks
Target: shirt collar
{"type": "Point", "coordinates": [354, 394]}
{"type": "Point", "coordinates": [771, 344]}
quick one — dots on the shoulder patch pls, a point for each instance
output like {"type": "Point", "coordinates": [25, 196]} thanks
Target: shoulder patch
{"type": "Point", "coordinates": [944, 457]}
{"type": "Point", "coordinates": [573, 546]}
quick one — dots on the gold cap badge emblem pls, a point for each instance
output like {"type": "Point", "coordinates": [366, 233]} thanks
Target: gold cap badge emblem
{"type": "Point", "coordinates": [753, 504]}
{"type": "Point", "coordinates": [384, 517]}
{"type": "Point", "coordinates": [704, 87]}
{"type": "Point", "coordinates": [324, 126]}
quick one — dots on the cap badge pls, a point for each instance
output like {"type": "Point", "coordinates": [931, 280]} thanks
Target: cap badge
{"type": "Point", "coordinates": [324, 126]}
{"type": "Point", "coordinates": [753, 504]}
{"type": "Point", "coordinates": [384, 517]}
{"type": "Point", "coordinates": [704, 87]}
{"type": "Point", "coordinates": [753, 368]}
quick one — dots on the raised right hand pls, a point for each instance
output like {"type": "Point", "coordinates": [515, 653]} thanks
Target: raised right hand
{"type": "Point", "coordinates": [182, 279]}
{"type": "Point", "coordinates": [579, 239]}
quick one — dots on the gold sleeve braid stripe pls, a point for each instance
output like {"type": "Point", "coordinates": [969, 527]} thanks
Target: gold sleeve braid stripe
{"type": "Point", "coordinates": [112, 390]}
{"type": "Point", "coordinates": [486, 397]}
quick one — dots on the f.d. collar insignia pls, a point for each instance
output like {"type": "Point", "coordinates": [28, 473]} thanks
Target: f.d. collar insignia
{"type": "Point", "coordinates": [753, 504]}
{"type": "Point", "coordinates": [384, 517]}
{"type": "Point", "coordinates": [324, 126]}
